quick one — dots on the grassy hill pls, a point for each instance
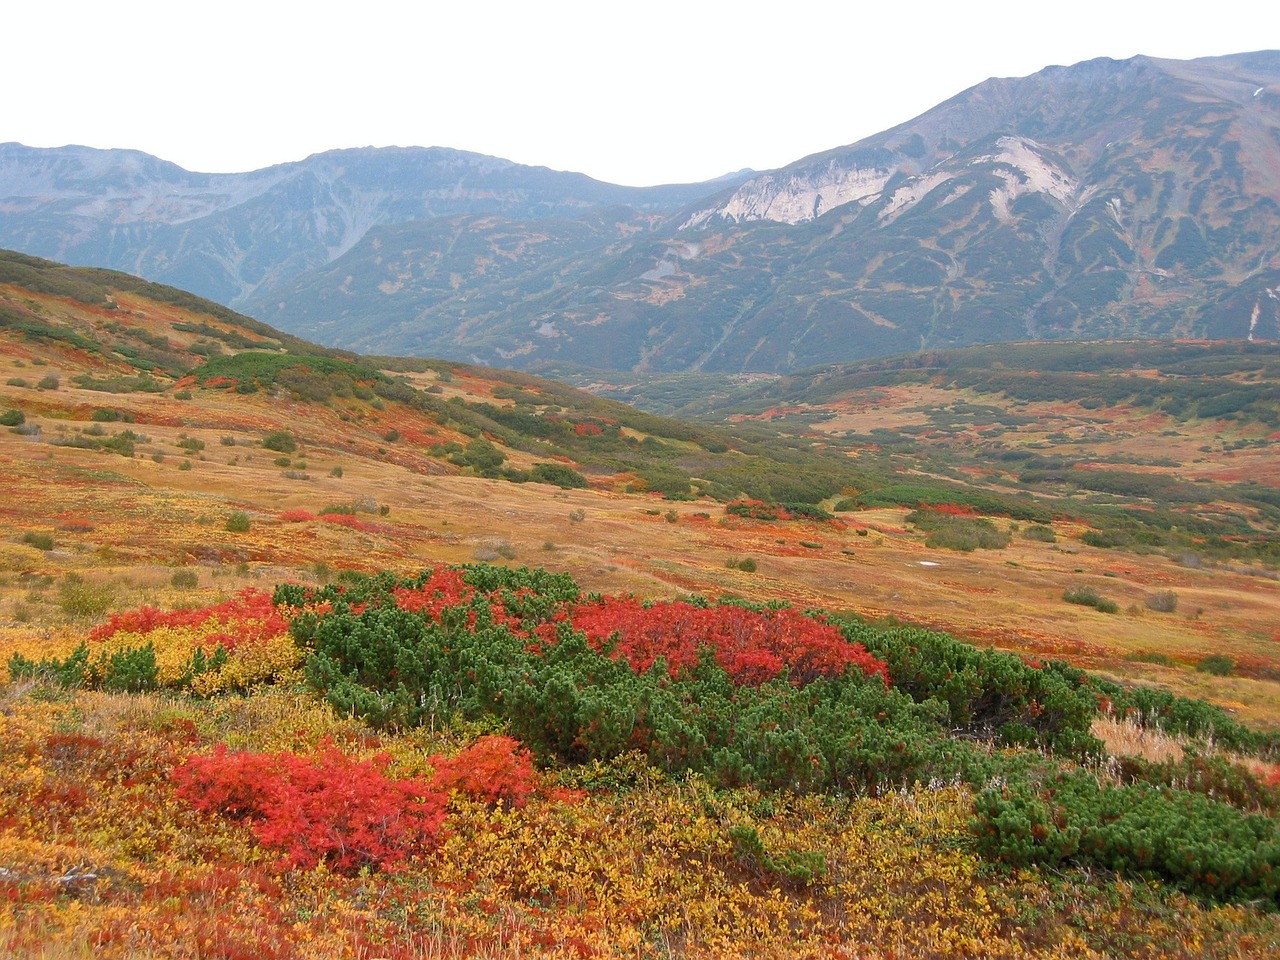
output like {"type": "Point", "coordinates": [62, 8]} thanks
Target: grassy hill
{"type": "Point", "coordinates": [199, 507]}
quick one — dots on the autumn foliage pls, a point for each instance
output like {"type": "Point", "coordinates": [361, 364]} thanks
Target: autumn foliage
{"type": "Point", "coordinates": [495, 769]}
{"type": "Point", "coordinates": [325, 808]}
{"type": "Point", "coordinates": [753, 646]}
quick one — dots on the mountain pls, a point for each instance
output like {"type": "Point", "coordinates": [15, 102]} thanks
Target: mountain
{"type": "Point", "coordinates": [225, 235]}
{"type": "Point", "coordinates": [1105, 199]}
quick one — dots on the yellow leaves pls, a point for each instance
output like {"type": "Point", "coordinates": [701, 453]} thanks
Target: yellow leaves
{"type": "Point", "coordinates": [274, 660]}
{"type": "Point", "coordinates": [646, 871]}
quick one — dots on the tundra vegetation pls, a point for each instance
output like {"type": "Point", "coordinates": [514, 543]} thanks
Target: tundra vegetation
{"type": "Point", "coordinates": [248, 714]}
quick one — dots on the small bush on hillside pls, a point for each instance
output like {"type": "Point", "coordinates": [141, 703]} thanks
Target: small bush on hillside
{"type": "Point", "coordinates": [238, 522]}
{"type": "Point", "coordinates": [948, 531]}
{"type": "Point", "coordinates": [1088, 597]}
{"type": "Point", "coordinates": [41, 541]}
{"type": "Point", "coordinates": [12, 418]}
{"type": "Point", "coordinates": [83, 601]}
{"type": "Point", "coordinates": [1164, 602]}
{"type": "Point", "coordinates": [280, 441]}
{"type": "Point", "coordinates": [49, 381]}
{"type": "Point", "coordinates": [328, 808]}
{"type": "Point", "coordinates": [557, 474]}
{"type": "Point", "coordinates": [184, 579]}
{"type": "Point", "coordinates": [1040, 533]}
{"type": "Point", "coordinates": [1217, 664]}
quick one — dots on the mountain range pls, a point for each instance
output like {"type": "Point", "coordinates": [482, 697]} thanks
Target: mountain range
{"type": "Point", "coordinates": [1101, 200]}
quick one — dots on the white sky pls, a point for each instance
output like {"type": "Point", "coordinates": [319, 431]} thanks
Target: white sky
{"type": "Point", "coordinates": [629, 92]}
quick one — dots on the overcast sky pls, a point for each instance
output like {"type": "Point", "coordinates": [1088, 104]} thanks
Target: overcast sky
{"type": "Point", "coordinates": [635, 93]}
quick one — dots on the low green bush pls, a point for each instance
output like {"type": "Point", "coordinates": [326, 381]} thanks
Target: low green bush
{"type": "Point", "coordinates": [1088, 597]}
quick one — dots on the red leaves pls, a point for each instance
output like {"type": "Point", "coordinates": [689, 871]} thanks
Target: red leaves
{"type": "Point", "coordinates": [326, 808]}
{"type": "Point", "coordinates": [251, 616]}
{"type": "Point", "coordinates": [444, 588]}
{"type": "Point", "coordinates": [752, 646]}
{"type": "Point", "coordinates": [330, 808]}
{"type": "Point", "coordinates": [492, 769]}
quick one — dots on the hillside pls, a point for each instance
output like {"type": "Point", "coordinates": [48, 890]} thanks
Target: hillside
{"type": "Point", "coordinates": [244, 575]}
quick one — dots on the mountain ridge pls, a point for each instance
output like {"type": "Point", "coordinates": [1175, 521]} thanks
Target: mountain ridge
{"type": "Point", "coordinates": [1103, 199]}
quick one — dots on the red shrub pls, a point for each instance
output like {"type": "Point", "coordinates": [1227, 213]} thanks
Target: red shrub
{"type": "Point", "coordinates": [251, 613]}
{"type": "Point", "coordinates": [297, 516]}
{"type": "Point", "coordinates": [347, 813]}
{"type": "Point", "coordinates": [753, 646]}
{"type": "Point", "coordinates": [491, 769]}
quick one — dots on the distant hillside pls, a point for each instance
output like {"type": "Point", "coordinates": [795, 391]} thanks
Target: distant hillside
{"type": "Point", "coordinates": [226, 235]}
{"type": "Point", "coordinates": [101, 343]}
{"type": "Point", "coordinates": [1106, 199]}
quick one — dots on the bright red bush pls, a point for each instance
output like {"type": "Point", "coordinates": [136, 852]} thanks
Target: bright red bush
{"type": "Point", "coordinates": [443, 588]}
{"type": "Point", "coordinates": [753, 646]}
{"type": "Point", "coordinates": [250, 616]}
{"type": "Point", "coordinates": [297, 516]}
{"type": "Point", "coordinates": [492, 769]}
{"type": "Point", "coordinates": [326, 808]}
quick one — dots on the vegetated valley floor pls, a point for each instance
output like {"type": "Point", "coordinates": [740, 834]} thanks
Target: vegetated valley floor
{"type": "Point", "coordinates": [176, 498]}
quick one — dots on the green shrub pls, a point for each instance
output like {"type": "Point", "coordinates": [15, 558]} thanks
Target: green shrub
{"type": "Point", "coordinates": [1217, 664]}
{"type": "Point", "coordinates": [49, 381]}
{"type": "Point", "coordinates": [1166, 601]}
{"type": "Point", "coordinates": [41, 541]}
{"type": "Point", "coordinates": [1185, 839]}
{"type": "Point", "coordinates": [81, 600]}
{"type": "Point", "coordinates": [12, 418]}
{"type": "Point", "coordinates": [1088, 597]}
{"type": "Point", "coordinates": [800, 868]}
{"type": "Point", "coordinates": [1040, 533]}
{"type": "Point", "coordinates": [185, 579]}
{"type": "Point", "coordinates": [557, 474]}
{"type": "Point", "coordinates": [238, 522]}
{"type": "Point", "coordinates": [963, 533]}
{"type": "Point", "coordinates": [280, 441]}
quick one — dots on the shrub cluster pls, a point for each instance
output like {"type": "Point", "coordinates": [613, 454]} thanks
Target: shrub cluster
{"type": "Point", "coordinates": [503, 644]}
{"type": "Point", "coordinates": [327, 808]}
{"type": "Point", "coordinates": [1089, 597]}
{"type": "Point", "coordinates": [950, 531]}
{"type": "Point", "coordinates": [1198, 844]}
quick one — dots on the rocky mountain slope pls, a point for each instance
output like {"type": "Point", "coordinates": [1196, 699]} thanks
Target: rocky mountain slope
{"type": "Point", "coordinates": [225, 235]}
{"type": "Point", "coordinates": [1098, 200]}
